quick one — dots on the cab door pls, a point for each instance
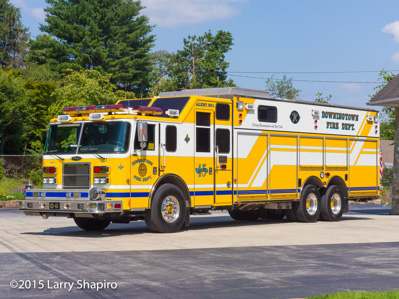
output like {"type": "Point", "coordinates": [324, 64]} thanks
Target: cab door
{"type": "Point", "coordinates": [223, 161]}
{"type": "Point", "coordinates": [144, 167]}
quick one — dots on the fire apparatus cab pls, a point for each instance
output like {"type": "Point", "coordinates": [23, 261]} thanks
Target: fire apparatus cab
{"type": "Point", "coordinates": [189, 152]}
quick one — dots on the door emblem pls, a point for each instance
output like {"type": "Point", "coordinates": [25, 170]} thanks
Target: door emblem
{"type": "Point", "coordinates": [187, 139]}
{"type": "Point", "coordinates": [142, 170]}
{"type": "Point", "coordinates": [294, 116]}
{"type": "Point", "coordinates": [201, 170]}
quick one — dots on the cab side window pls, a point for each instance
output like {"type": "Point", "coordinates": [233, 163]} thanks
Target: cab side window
{"type": "Point", "coordinates": [203, 132]}
{"type": "Point", "coordinates": [171, 138]}
{"type": "Point", "coordinates": [151, 139]}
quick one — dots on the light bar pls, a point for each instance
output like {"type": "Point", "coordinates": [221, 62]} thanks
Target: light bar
{"type": "Point", "coordinates": [91, 109]}
{"type": "Point", "coordinates": [172, 112]}
{"type": "Point", "coordinates": [64, 118]}
{"type": "Point", "coordinates": [147, 110]}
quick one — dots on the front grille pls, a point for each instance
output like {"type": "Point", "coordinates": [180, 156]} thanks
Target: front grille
{"type": "Point", "coordinates": [76, 176]}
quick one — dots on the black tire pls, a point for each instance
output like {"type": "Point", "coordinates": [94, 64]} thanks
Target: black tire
{"type": "Point", "coordinates": [290, 213]}
{"type": "Point", "coordinates": [91, 223]}
{"type": "Point", "coordinates": [271, 214]}
{"type": "Point", "coordinates": [332, 204]}
{"type": "Point", "coordinates": [308, 209]}
{"type": "Point", "coordinates": [168, 210]}
{"type": "Point", "coordinates": [251, 215]}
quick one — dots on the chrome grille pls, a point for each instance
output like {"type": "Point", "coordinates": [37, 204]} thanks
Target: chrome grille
{"type": "Point", "coordinates": [76, 176]}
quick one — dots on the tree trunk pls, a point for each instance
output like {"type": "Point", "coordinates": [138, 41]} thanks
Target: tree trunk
{"type": "Point", "coordinates": [395, 182]}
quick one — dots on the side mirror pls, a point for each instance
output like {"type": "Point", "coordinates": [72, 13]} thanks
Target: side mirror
{"type": "Point", "coordinates": [142, 133]}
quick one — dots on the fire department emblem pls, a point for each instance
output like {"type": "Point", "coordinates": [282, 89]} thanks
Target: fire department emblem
{"type": "Point", "coordinates": [142, 170]}
{"type": "Point", "coordinates": [294, 116]}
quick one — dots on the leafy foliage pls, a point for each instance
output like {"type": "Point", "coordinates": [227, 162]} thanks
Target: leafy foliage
{"type": "Point", "coordinates": [108, 36]}
{"type": "Point", "coordinates": [388, 113]}
{"type": "Point", "coordinates": [2, 171]}
{"type": "Point", "coordinates": [83, 88]}
{"type": "Point", "coordinates": [200, 64]}
{"type": "Point", "coordinates": [13, 36]}
{"type": "Point", "coordinates": [321, 99]}
{"type": "Point", "coordinates": [283, 89]}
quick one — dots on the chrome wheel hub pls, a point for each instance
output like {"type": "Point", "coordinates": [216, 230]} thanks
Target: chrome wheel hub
{"type": "Point", "coordinates": [311, 204]}
{"type": "Point", "coordinates": [170, 209]}
{"type": "Point", "coordinates": [336, 203]}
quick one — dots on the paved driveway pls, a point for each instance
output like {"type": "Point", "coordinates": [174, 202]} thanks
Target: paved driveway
{"type": "Point", "coordinates": [216, 257]}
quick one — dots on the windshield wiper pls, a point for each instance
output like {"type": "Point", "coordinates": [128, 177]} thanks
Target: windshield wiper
{"type": "Point", "coordinates": [58, 157]}
{"type": "Point", "coordinates": [101, 157]}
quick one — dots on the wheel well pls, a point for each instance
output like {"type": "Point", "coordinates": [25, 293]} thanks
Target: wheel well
{"type": "Point", "coordinates": [313, 180]}
{"type": "Point", "coordinates": [338, 181]}
{"type": "Point", "coordinates": [175, 180]}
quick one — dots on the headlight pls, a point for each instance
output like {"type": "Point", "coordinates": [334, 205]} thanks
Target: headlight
{"type": "Point", "coordinates": [96, 194]}
{"type": "Point", "coordinates": [100, 180]}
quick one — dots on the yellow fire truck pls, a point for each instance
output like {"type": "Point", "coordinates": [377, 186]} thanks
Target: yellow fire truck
{"type": "Point", "coordinates": [193, 151]}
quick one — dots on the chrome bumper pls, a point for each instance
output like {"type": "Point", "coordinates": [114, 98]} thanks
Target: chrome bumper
{"type": "Point", "coordinates": [66, 202]}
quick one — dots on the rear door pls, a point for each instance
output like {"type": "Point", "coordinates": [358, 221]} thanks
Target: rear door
{"type": "Point", "coordinates": [223, 162]}
{"type": "Point", "coordinates": [204, 155]}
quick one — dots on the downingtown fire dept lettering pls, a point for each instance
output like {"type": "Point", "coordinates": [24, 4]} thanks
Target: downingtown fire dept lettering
{"type": "Point", "coordinates": [340, 116]}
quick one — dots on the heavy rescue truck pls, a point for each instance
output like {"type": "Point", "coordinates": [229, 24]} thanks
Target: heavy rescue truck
{"type": "Point", "coordinates": [193, 151]}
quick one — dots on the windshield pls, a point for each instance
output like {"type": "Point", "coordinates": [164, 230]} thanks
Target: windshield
{"type": "Point", "coordinates": [62, 139]}
{"type": "Point", "coordinates": [98, 137]}
{"type": "Point", "coordinates": [105, 137]}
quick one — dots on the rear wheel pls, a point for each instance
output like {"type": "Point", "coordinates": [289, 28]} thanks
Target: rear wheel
{"type": "Point", "coordinates": [168, 210]}
{"type": "Point", "coordinates": [91, 223]}
{"type": "Point", "coordinates": [332, 204]}
{"type": "Point", "coordinates": [308, 209]}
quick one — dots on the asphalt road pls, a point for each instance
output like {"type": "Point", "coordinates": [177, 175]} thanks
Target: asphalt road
{"type": "Point", "coordinates": [217, 257]}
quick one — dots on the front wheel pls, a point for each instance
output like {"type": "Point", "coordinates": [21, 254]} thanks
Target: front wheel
{"type": "Point", "coordinates": [332, 204]}
{"type": "Point", "coordinates": [91, 223]}
{"type": "Point", "coordinates": [168, 210]}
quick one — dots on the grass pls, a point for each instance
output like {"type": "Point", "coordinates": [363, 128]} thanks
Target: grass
{"type": "Point", "coordinates": [359, 295]}
{"type": "Point", "coordinates": [12, 189]}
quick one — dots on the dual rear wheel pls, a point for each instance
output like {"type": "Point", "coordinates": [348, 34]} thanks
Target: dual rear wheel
{"type": "Point", "coordinates": [312, 206]}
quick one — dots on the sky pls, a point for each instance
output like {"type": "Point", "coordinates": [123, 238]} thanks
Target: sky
{"type": "Point", "coordinates": [341, 44]}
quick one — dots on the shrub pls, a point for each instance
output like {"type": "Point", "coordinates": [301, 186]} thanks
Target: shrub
{"type": "Point", "coordinates": [387, 177]}
{"type": "Point", "coordinates": [2, 171]}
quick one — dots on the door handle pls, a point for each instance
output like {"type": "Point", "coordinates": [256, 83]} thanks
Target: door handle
{"type": "Point", "coordinates": [217, 156]}
{"type": "Point", "coordinates": [164, 153]}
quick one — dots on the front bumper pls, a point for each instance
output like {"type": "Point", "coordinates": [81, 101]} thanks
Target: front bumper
{"type": "Point", "coordinates": [72, 203]}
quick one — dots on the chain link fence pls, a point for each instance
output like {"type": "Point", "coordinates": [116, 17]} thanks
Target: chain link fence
{"type": "Point", "coordinates": [27, 167]}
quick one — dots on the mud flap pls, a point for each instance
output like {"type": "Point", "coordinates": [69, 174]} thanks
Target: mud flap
{"type": "Point", "coordinates": [187, 220]}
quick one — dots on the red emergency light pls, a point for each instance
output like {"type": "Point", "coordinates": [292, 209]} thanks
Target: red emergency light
{"type": "Point", "coordinates": [147, 110]}
{"type": "Point", "coordinates": [97, 108]}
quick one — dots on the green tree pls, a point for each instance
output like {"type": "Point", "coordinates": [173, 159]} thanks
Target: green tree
{"type": "Point", "coordinates": [387, 131]}
{"type": "Point", "coordinates": [110, 36]}
{"type": "Point", "coordinates": [321, 99]}
{"type": "Point", "coordinates": [283, 89]}
{"type": "Point", "coordinates": [83, 88]}
{"type": "Point", "coordinates": [201, 63]}
{"type": "Point", "coordinates": [25, 97]}
{"type": "Point", "coordinates": [13, 36]}
{"type": "Point", "coordinates": [12, 104]}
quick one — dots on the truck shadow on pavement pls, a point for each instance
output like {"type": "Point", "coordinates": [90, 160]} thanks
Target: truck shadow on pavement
{"type": "Point", "coordinates": [197, 223]}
